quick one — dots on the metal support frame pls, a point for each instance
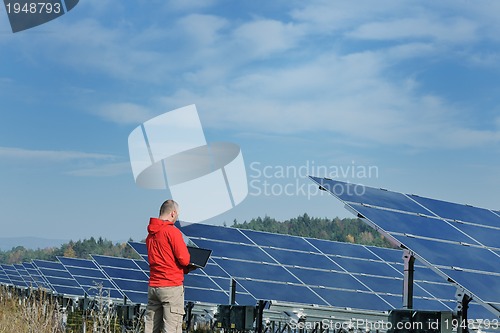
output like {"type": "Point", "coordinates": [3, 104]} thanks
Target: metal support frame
{"type": "Point", "coordinates": [462, 309]}
{"type": "Point", "coordinates": [259, 325]}
{"type": "Point", "coordinates": [409, 270]}
{"type": "Point", "coordinates": [188, 317]}
{"type": "Point", "coordinates": [232, 292]}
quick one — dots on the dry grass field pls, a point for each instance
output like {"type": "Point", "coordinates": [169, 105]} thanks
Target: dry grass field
{"type": "Point", "coordinates": [39, 313]}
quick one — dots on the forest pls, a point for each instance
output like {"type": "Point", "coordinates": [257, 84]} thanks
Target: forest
{"type": "Point", "coordinates": [349, 230]}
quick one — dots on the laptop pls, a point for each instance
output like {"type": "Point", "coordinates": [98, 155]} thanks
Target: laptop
{"type": "Point", "coordinates": [199, 256]}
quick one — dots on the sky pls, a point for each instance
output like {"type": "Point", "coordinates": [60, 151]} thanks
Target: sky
{"type": "Point", "coordinates": [403, 95]}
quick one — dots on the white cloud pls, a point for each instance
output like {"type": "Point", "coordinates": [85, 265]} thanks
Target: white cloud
{"type": "Point", "coordinates": [124, 113]}
{"type": "Point", "coordinates": [50, 155]}
{"type": "Point", "coordinates": [104, 170]}
{"type": "Point", "coordinates": [456, 30]}
{"type": "Point", "coordinates": [79, 163]}
{"type": "Point", "coordinates": [316, 83]}
{"type": "Point", "coordinates": [327, 16]}
{"type": "Point", "coordinates": [189, 5]}
{"type": "Point", "coordinates": [347, 96]}
{"type": "Point", "coordinates": [265, 37]}
{"type": "Point", "coordinates": [202, 30]}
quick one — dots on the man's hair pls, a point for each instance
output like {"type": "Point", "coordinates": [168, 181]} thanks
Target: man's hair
{"type": "Point", "coordinates": [168, 206]}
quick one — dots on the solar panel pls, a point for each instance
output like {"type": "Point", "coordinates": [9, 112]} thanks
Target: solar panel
{"type": "Point", "coordinates": [37, 277]}
{"type": "Point", "coordinates": [27, 278]}
{"type": "Point", "coordinates": [14, 276]}
{"type": "Point", "coordinates": [140, 249]}
{"type": "Point", "coordinates": [59, 278]}
{"type": "Point", "coordinates": [304, 270]}
{"type": "Point", "coordinates": [457, 212]}
{"type": "Point", "coordinates": [90, 277]}
{"type": "Point", "coordinates": [4, 278]}
{"type": "Point", "coordinates": [459, 242]}
{"type": "Point", "coordinates": [131, 280]}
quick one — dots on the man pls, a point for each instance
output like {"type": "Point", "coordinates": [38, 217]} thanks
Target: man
{"type": "Point", "coordinates": [168, 262]}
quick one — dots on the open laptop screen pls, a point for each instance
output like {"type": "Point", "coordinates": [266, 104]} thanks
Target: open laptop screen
{"type": "Point", "coordinates": [199, 256]}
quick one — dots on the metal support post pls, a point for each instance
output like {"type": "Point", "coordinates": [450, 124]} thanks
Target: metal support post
{"type": "Point", "coordinates": [260, 316]}
{"type": "Point", "coordinates": [232, 297]}
{"type": "Point", "coordinates": [409, 270]}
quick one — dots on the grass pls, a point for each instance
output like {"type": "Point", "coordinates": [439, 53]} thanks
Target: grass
{"type": "Point", "coordinates": [37, 312]}
{"type": "Point", "coordinates": [31, 313]}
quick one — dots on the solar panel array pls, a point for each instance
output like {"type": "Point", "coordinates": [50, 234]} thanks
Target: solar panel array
{"type": "Point", "coordinates": [265, 266]}
{"type": "Point", "coordinates": [459, 242]}
{"type": "Point", "coordinates": [312, 271]}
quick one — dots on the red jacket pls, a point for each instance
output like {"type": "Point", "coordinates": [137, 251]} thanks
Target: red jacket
{"type": "Point", "coordinates": [167, 254]}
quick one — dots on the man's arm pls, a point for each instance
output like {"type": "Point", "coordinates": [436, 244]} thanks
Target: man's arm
{"type": "Point", "coordinates": [179, 248]}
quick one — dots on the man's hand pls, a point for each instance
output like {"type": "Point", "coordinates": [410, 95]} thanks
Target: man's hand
{"type": "Point", "coordinates": [190, 268]}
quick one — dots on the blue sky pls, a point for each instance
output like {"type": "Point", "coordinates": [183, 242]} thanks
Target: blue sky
{"type": "Point", "coordinates": [401, 95]}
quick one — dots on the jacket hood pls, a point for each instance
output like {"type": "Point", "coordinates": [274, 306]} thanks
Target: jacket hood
{"type": "Point", "coordinates": [155, 225]}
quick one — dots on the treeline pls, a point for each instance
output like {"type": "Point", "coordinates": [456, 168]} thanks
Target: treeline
{"type": "Point", "coordinates": [342, 230]}
{"type": "Point", "coordinates": [79, 249]}
{"type": "Point", "coordinates": [350, 230]}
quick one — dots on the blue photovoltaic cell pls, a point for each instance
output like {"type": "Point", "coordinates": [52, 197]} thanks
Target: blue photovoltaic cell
{"type": "Point", "coordinates": [236, 251]}
{"type": "Point", "coordinates": [4, 278]}
{"type": "Point", "coordinates": [488, 237]}
{"type": "Point", "coordinates": [131, 285]}
{"type": "Point", "coordinates": [126, 273]}
{"type": "Point", "coordinates": [388, 255]}
{"type": "Point", "coordinates": [144, 265]}
{"type": "Point", "coordinates": [140, 248]}
{"type": "Point", "coordinates": [431, 305]}
{"type": "Point", "coordinates": [341, 249]}
{"type": "Point", "coordinates": [226, 234]}
{"type": "Point", "coordinates": [211, 269]}
{"type": "Point", "coordinates": [223, 282]}
{"type": "Point", "coordinates": [453, 255]}
{"type": "Point", "coordinates": [200, 281]}
{"type": "Point", "coordinates": [137, 297]}
{"type": "Point", "coordinates": [303, 259]}
{"type": "Point", "coordinates": [282, 292]}
{"type": "Point", "coordinates": [37, 277]}
{"type": "Point", "coordinates": [478, 311]}
{"type": "Point", "coordinates": [382, 284]}
{"type": "Point", "coordinates": [486, 287]}
{"type": "Point", "coordinates": [30, 282]}
{"type": "Point", "coordinates": [212, 296]}
{"type": "Point", "coordinates": [439, 290]}
{"type": "Point", "coordinates": [130, 279]}
{"type": "Point", "coordinates": [59, 278]}
{"type": "Point", "coordinates": [327, 279]}
{"type": "Point", "coordinates": [426, 274]}
{"type": "Point", "coordinates": [279, 241]}
{"type": "Point", "coordinates": [366, 267]}
{"type": "Point", "coordinates": [412, 224]}
{"type": "Point", "coordinates": [256, 270]}
{"type": "Point", "coordinates": [352, 299]}
{"type": "Point", "coordinates": [459, 212]}
{"type": "Point", "coordinates": [245, 299]}
{"type": "Point", "coordinates": [14, 275]}
{"type": "Point", "coordinates": [362, 194]}
{"type": "Point", "coordinates": [48, 264]}
{"type": "Point", "coordinates": [90, 277]}
{"type": "Point", "coordinates": [115, 262]}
